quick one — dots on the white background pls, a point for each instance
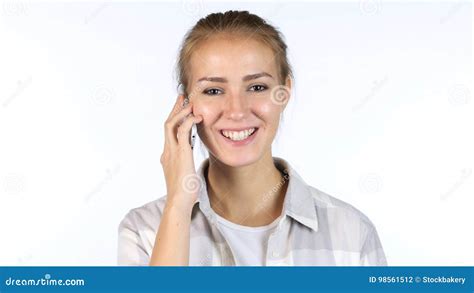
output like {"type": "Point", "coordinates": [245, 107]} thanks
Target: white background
{"type": "Point", "coordinates": [382, 117]}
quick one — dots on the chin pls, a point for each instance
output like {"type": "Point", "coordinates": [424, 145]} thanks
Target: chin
{"type": "Point", "coordinates": [238, 160]}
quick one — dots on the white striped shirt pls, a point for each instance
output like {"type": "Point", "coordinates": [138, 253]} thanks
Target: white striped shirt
{"type": "Point", "coordinates": [315, 229]}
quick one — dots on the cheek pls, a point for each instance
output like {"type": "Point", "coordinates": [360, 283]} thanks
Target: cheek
{"type": "Point", "coordinates": [201, 109]}
{"type": "Point", "coordinates": [206, 110]}
{"type": "Point", "coordinates": [269, 112]}
{"type": "Point", "coordinates": [266, 108]}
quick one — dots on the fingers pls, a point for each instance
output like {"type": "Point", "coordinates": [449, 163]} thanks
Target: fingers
{"type": "Point", "coordinates": [177, 114]}
{"type": "Point", "coordinates": [181, 114]}
{"type": "Point", "coordinates": [184, 130]}
{"type": "Point", "coordinates": [177, 106]}
{"type": "Point", "coordinates": [172, 124]}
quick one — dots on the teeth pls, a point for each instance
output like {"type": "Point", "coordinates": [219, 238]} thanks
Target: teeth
{"type": "Point", "coordinates": [238, 135]}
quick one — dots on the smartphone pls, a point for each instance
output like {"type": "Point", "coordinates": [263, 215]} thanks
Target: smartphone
{"type": "Point", "coordinates": [192, 137]}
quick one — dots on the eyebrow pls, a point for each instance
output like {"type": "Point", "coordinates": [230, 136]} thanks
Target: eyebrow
{"type": "Point", "coordinates": [245, 78]}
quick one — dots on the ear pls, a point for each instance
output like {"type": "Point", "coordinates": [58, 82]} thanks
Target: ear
{"type": "Point", "coordinates": [288, 82]}
{"type": "Point", "coordinates": [288, 85]}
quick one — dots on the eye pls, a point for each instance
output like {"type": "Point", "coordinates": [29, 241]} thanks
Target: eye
{"type": "Point", "coordinates": [258, 88]}
{"type": "Point", "coordinates": [212, 92]}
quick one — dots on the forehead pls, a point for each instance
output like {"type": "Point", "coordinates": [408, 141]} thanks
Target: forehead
{"type": "Point", "coordinates": [232, 57]}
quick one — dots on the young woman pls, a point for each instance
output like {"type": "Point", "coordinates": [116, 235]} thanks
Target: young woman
{"type": "Point", "coordinates": [242, 206]}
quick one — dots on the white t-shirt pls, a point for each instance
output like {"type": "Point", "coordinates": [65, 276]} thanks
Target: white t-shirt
{"type": "Point", "coordinates": [249, 244]}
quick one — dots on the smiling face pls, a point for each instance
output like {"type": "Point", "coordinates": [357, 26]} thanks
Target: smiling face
{"type": "Point", "coordinates": [231, 84]}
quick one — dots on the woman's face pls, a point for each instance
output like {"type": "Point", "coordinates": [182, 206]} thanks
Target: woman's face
{"type": "Point", "coordinates": [234, 86]}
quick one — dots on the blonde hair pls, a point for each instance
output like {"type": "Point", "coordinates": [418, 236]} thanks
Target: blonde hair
{"type": "Point", "coordinates": [235, 23]}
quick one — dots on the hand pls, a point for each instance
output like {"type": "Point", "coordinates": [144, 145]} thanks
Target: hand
{"type": "Point", "coordinates": [182, 182]}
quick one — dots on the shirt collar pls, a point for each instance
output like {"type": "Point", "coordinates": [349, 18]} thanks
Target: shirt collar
{"type": "Point", "coordinates": [298, 203]}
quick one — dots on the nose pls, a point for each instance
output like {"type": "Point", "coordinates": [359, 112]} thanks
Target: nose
{"type": "Point", "coordinates": [237, 107]}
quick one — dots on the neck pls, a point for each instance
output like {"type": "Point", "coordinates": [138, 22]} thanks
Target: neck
{"type": "Point", "coordinates": [251, 195]}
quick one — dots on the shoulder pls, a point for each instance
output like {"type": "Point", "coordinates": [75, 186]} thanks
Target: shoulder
{"type": "Point", "coordinates": [340, 217]}
{"type": "Point", "coordinates": [146, 216]}
{"type": "Point", "coordinates": [137, 232]}
{"type": "Point", "coordinates": [349, 227]}
{"type": "Point", "coordinates": [142, 221]}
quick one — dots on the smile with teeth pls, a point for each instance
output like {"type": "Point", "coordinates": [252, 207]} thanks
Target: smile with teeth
{"type": "Point", "coordinates": [238, 135]}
